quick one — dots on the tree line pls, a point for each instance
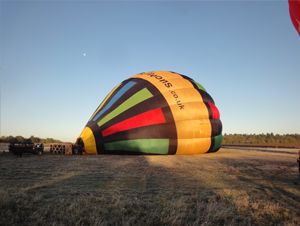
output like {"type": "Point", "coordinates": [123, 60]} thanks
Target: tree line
{"type": "Point", "coordinates": [32, 139]}
{"type": "Point", "coordinates": [268, 139]}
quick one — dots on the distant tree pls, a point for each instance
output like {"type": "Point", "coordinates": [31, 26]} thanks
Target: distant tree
{"type": "Point", "coordinates": [289, 140]}
{"type": "Point", "coordinates": [35, 139]}
{"type": "Point", "coordinates": [31, 139]}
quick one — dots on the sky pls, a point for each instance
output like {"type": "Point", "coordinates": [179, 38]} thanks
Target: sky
{"type": "Point", "coordinates": [59, 59]}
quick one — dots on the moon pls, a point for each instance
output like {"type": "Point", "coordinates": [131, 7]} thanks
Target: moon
{"type": "Point", "coordinates": [84, 54]}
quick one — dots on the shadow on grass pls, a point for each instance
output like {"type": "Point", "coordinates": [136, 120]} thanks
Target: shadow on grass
{"type": "Point", "coordinates": [125, 190]}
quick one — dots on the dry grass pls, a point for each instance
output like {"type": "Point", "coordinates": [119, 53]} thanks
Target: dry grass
{"type": "Point", "coordinates": [231, 187]}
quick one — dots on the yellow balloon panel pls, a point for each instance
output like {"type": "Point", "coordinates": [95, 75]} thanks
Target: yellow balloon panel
{"type": "Point", "coordinates": [88, 139]}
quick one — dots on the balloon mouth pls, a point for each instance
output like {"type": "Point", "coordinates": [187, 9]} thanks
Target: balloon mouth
{"type": "Point", "coordinates": [87, 141]}
{"type": "Point", "coordinates": [80, 143]}
{"type": "Point", "coordinates": [78, 146]}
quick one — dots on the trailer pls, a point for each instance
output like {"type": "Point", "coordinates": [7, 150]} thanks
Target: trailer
{"type": "Point", "coordinates": [50, 148]}
{"type": "Point", "coordinates": [26, 147]}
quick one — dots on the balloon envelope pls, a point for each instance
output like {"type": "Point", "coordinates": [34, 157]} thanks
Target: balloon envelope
{"type": "Point", "coordinates": [294, 8]}
{"type": "Point", "coordinates": [157, 112]}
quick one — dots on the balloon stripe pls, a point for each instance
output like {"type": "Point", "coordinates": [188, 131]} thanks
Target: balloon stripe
{"type": "Point", "coordinates": [104, 101]}
{"type": "Point", "coordinates": [123, 90]}
{"type": "Point", "coordinates": [158, 131]}
{"type": "Point", "coordinates": [217, 140]}
{"type": "Point", "coordinates": [137, 98]}
{"type": "Point", "coordinates": [205, 96]}
{"type": "Point", "coordinates": [150, 146]}
{"type": "Point", "coordinates": [216, 125]}
{"type": "Point", "coordinates": [214, 110]}
{"type": "Point", "coordinates": [145, 119]}
{"type": "Point", "coordinates": [199, 86]}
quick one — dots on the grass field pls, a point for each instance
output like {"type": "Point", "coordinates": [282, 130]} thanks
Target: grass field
{"type": "Point", "coordinates": [230, 187]}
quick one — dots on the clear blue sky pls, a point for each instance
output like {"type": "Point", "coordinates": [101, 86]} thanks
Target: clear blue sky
{"type": "Point", "coordinates": [58, 60]}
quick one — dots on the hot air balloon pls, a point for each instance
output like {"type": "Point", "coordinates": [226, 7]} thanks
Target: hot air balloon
{"type": "Point", "coordinates": [294, 8]}
{"type": "Point", "coordinates": [158, 112]}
